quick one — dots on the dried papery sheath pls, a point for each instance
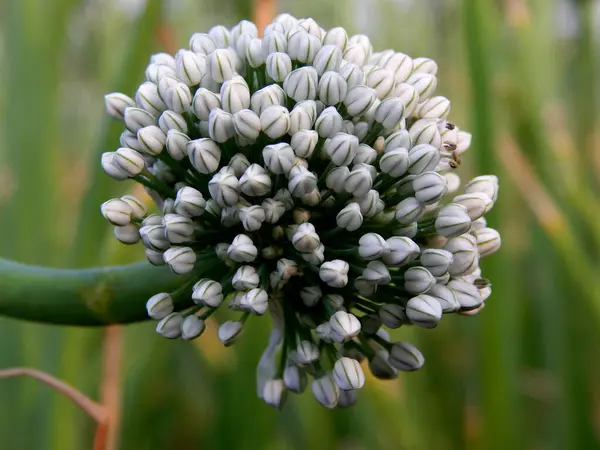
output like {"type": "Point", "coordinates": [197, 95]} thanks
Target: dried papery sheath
{"type": "Point", "coordinates": [305, 175]}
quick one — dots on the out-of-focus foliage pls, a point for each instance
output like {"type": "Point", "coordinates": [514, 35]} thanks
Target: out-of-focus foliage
{"type": "Point", "coordinates": [523, 77]}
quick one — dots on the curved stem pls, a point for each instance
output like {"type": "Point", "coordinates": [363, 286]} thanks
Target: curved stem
{"type": "Point", "coordinates": [98, 296]}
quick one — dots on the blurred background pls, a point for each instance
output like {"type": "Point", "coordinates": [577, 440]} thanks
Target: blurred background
{"type": "Point", "coordinates": [523, 77]}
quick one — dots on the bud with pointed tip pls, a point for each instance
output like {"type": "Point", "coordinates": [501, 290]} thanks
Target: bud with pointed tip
{"type": "Point", "coordinates": [465, 256]}
{"type": "Point", "coordinates": [372, 246]}
{"type": "Point", "coordinates": [204, 102]}
{"type": "Point", "coordinates": [294, 379]}
{"type": "Point", "coordinates": [242, 249]}
{"type": "Point", "coordinates": [189, 202]}
{"type": "Point", "coordinates": [392, 315]}
{"type": "Point", "coordinates": [118, 212]}
{"type": "Point", "coordinates": [325, 391]}
{"type": "Point", "coordinates": [252, 217]}
{"type": "Point", "coordinates": [429, 187]}
{"type": "Point", "coordinates": [306, 352]}
{"type": "Point", "coordinates": [303, 142]}
{"type": "Point", "coordinates": [205, 155]}
{"type": "Point", "coordinates": [116, 103]}
{"type": "Point", "coordinates": [467, 294]}
{"type": "Point", "coordinates": [347, 374]}
{"type": "Point", "coordinates": [452, 220]}
{"type": "Point", "coordinates": [229, 332]}
{"type": "Point", "coordinates": [180, 259]}
{"type": "Point", "coordinates": [256, 301]}
{"type": "Point", "coordinates": [301, 84]}
{"type": "Point", "coordinates": [344, 326]}
{"type": "Point", "coordinates": [334, 273]}
{"type": "Point", "coordinates": [487, 184]}
{"type": "Point", "coordinates": [418, 280]}
{"type": "Point", "coordinates": [255, 182]}
{"type": "Point", "coordinates": [220, 64]}
{"type": "Point", "coordinates": [136, 118]}
{"type": "Point", "coordinates": [406, 357]}
{"type": "Point", "coordinates": [488, 241]}
{"type": "Point", "coordinates": [350, 217]}
{"type": "Point", "coordinates": [274, 393]}
{"type": "Point", "coordinates": [445, 296]}
{"type": "Point", "coordinates": [159, 306]}
{"type": "Point", "coordinates": [424, 310]}
{"type": "Point", "coordinates": [278, 66]}
{"type": "Point", "coordinates": [170, 326]}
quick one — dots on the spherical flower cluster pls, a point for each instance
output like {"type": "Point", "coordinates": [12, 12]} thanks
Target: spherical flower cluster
{"type": "Point", "coordinates": [304, 175]}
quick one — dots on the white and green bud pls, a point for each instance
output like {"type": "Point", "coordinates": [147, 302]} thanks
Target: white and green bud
{"type": "Point", "coordinates": [306, 353]}
{"type": "Point", "coordinates": [294, 379]}
{"type": "Point", "coordinates": [418, 280]}
{"type": "Point", "coordinates": [409, 210]}
{"type": "Point", "coordinates": [239, 163]}
{"type": "Point", "coordinates": [136, 118]}
{"type": "Point", "coordinates": [381, 368]}
{"type": "Point", "coordinates": [401, 251]}
{"type": "Point", "coordinates": [127, 161]}
{"type": "Point", "coordinates": [220, 64]}
{"type": "Point", "coordinates": [204, 154]}
{"type": "Point", "coordinates": [445, 296]}
{"type": "Point", "coordinates": [254, 53]}
{"type": "Point", "coordinates": [274, 393]}
{"type": "Point", "coordinates": [429, 187]}
{"type": "Point", "coordinates": [267, 96]}
{"type": "Point", "coordinates": [376, 272]}
{"type": "Point", "coordinates": [350, 217]}
{"type": "Point", "coordinates": [325, 391]}
{"type": "Point", "coordinates": [220, 125]}
{"type": "Point", "coordinates": [303, 47]}
{"type": "Point", "coordinates": [305, 239]}
{"type": "Point", "coordinates": [356, 54]}
{"type": "Point", "coordinates": [242, 249]}
{"type": "Point", "coordinates": [152, 139]}
{"type": "Point", "coordinates": [336, 36]}
{"type": "Point", "coordinates": [180, 260]}
{"type": "Point", "coordinates": [159, 306]}
{"type": "Point", "coordinates": [229, 332]}
{"type": "Point", "coordinates": [273, 42]}
{"type": "Point", "coordinates": [334, 273]}
{"type": "Point", "coordinates": [224, 187]}
{"type": "Point", "coordinates": [148, 98]}
{"type": "Point", "coordinates": [347, 374]}
{"type": "Point", "coordinates": [177, 95]}
{"type": "Point", "coordinates": [170, 120]}
{"type": "Point", "coordinates": [170, 326]}
{"type": "Point", "coordinates": [278, 66]}
{"type": "Point", "coordinates": [434, 108]}
{"type": "Point", "coordinates": [116, 103]}
{"type": "Point", "coordinates": [255, 182]}
{"type": "Point", "coordinates": [389, 113]}
{"type": "Point", "coordinates": [221, 36]}
{"type": "Point", "coordinates": [275, 121]}
{"type": "Point", "coordinates": [437, 261]}
{"type": "Point", "coordinates": [153, 237]}
{"type": "Point", "coordinates": [192, 327]}
{"type": "Point", "coordinates": [486, 184]}
{"type": "Point", "coordinates": [423, 158]}
{"type": "Point", "coordinates": [235, 95]}
{"type": "Point", "coordinates": [452, 220]}
{"type": "Point", "coordinates": [204, 102]}
{"type": "Point", "coordinates": [424, 310]}
{"type": "Point", "coordinates": [465, 255]}
{"type": "Point", "coordinates": [488, 241]}
{"type": "Point", "coordinates": [189, 202]}
{"type": "Point", "coordinates": [246, 277]}
{"type": "Point", "coordinates": [189, 66]}
{"type": "Point", "coordinates": [476, 203]}
{"type": "Point", "coordinates": [278, 158]}
{"type": "Point", "coordinates": [382, 82]}
{"type": "Point", "coordinates": [117, 211]}
{"type": "Point", "coordinates": [359, 100]}
{"type": "Point", "coordinates": [303, 142]}
{"type": "Point", "coordinates": [316, 257]}
{"type": "Point", "coordinates": [426, 132]}
{"type": "Point", "coordinates": [332, 88]}
{"type": "Point", "coordinates": [466, 294]}
{"type": "Point", "coordinates": [202, 43]}
{"type": "Point", "coordinates": [341, 148]}
{"type": "Point", "coordinates": [178, 229]}
{"type": "Point", "coordinates": [392, 315]}
{"type": "Point", "coordinates": [406, 357]}
{"type": "Point", "coordinates": [372, 246]}
{"type": "Point", "coordinates": [301, 84]}
{"type": "Point", "coordinates": [424, 83]}
{"type": "Point", "coordinates": [256, 301]}
{"type": "Point", "coordinates": [395, 162]}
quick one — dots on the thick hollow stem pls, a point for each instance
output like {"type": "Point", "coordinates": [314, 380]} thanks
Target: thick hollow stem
{"type": "Point", "coordinates": [85, 297]}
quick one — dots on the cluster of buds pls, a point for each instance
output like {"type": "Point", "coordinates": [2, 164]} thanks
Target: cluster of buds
{"type": "Point", "coordinates": [306, 176]}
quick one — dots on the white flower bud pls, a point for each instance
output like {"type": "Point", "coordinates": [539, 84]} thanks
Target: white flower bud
{"type": "Point", "coordinates": [180, 259]}
{"type": "Point", "coordinates": [306, 353]}
{"type": "Point", "coordinates": [334, 273]}
{"type": "Point", "coordinates": [341, 148]}
{"type": "Point", "coordinates": [229, 332]}
{"type": "Point", "coordinates": [136, 118]}
{"type": "Point", "coordinates": [273, 42]}
{"type": "Point", "coordinates": [152, 139]}
{"type": "Point", "coordinates": [353, 75]}
{"type": "Point", "coordinates": [408, 95]}
{"type": "Point", "coordinates": [170, 120]}
{"type": "Point", "coordinates": [377, 272]}
{"type": "Point", "coordinates": [254, 53]}
{"type": "Point", "coordinates": [488, 241]}
{"type": "Point", "coordinates": [192, 327]}
{"type": "Point", "coordinates": [303, 142]}
{"type": "Point", "coordinates": [305, 239]}
{"type": "Point", "coordinates": [344, 326]}
{"type": "Point", "coordinates": [409, 210]}
{"type": "Point", "coordinates": [350, 217]}
{"type": "Point", "coordinates": [301, 84]}
{"type": "Point", "coordinates": [294, 379]}
{"type": "Point", "coordinates": [267, 96]}
{"type": "Point", "coordinates": [401, 251]}
{"type": "Point", "coordinates": [425, 131]}
{"type": "Point", "coordinates": [424, 83]}
{"type": "Point", "coordinates": [445, 296]}
{"type": "Point", "coordinates": [235, 95]}
{"type": "Point", "coordinates": [390, 113]}
{"type": "Point", "coordinates": [224, 187]}
{"type": "Point", "coordinates": [170, 326]}
{"type": "Point", "coordinates": [463, 142]}
{"type": "Point", "coordinates": [425, 65]}
{"type": "Point", "coordinates": [159, 306]}
{"type": "Point", "coordinates": [336, 179]}
{"type": "Point", "coordinates": [255, 181]}
{"type": "Point", "coordinates": [316, 257]}
{"type": "Point", "coordinates": [220, 125]}
{"type": "Point", "coordinates": [246, 277]}
{"type": "Point", "coordinates": [148, 98]}
{"type": "Point", "coordinates": [301, 117]}
{"type": "Point", "coordinates": [189, 66]}
{"type": "Point", "coordinates": [239, 163]}
{"type": "Point", "coordinates": [358, 182]}
{"type": "Point", "coordinates": [347, 399]}
{"type": "Point", "coordinates": [177, 95]}
{"type": "Point", "coordinates": [356, 54]}
{"type": "Point", "coordinates": [205, 155]}
{"type": "Point", "coordinates": [382, 81]}
{"type": "Point", "coordinates": [370, 204]}
{"type": "Point", "coordinates": [476, 203]}
{"type": "Point", "coordinates": [372, 246]}
{"type": "Point", "coordinates": [347, 374]}
{"type": "Point", "coordinates": [154, 257]}
{"type": "Point", "coordinates": [303, 47]}
{"type": "Point", "coordinates": [178, 229]}
{"type": "Point", "coordinates": [189, 202]}
{"type": "Point", "coordinates": [244, 26]}
{"type": "Point", "coordinates": [424, 310]}
{"type": "Point", "coordinates": [434, 108]}
{"type": "Point", "coordinates": [359, 100]}
{"type": "Point", "coordinates": [399, 139]}
{"type": "Point", "coordinates": [437, 261]}
{"type": "Point", "coordinates": [332, 88]}
{"type": "Point", "coordinates": [418, 280]}
{"type": "Point", "coordinates": [452, 220]}
{"type": "Point", "coordinates": [327, 59]}
{"type": "Point", "coordinates": [392, 315]}
{"type": "Point", "coordinates": [252, 217]}
{"type": "Point", "coordinates": [273, 210]}
{"type": "Point", "coordinates": [364, 287]}
{"type": "Point", "coordinates": [116, 103]}
{"type": "Point", "coordinates": [465, 256]}
{"type": "Point", "coordinates": [275, 121]}
{"type": "Point", "coordinates": [204, 102]}
{"type": "Point", "coordinates": [128, 162]}
{"type": "Point", "coordinates": [301, 181]}
{"type": "Point", "coordinates": [406, 357]}
{"type": "Point", "coordinates": [153, 237]}
{"type": "Point", "coordinates": [138, 209]}
{"type": "Point", "coordinates": [423, 158]}
{"type": "Point", "coordinates": [221, 36]}
{"type": "Point", "coordinates": [486, 184]}
{"type": "Point", "coordinates": [242, 249]}
{"type": "Point", "coordinates": [274, 393]}
{"type": "Point", "coordinates": [399, 64]}
{"type": "Point", "coordinates": [220, 64]}
{"type": "Point", "coordinates": [395, 162]}
{"type": "Point", "coordinates": [325, 391]}
{"type": "Point", "coordinates": [466, 294]}
{"type": "Point", "coordinates": [202, 43]}
{"type": "Point", "coordinates": [256, 301]}
{"type": "Point", "coordinates": [278, 66]}
{"type": "Point", "coordinates": [381, 368]}
{"type": "Point", "coordinates": [336, 36]}
{"type": "Point", "coordinates": [118, 212]}
{"type": "Point", "coordinates": [109, 166]}
{"type": "Point", "coordinates": [429, 187]}
{"type": "Point", "coordinates": [208, 292]}
{"type": "Point", "coordinates": [128, 234]}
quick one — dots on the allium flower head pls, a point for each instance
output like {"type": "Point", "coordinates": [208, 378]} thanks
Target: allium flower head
{"type": "Point", "coordinates": [307, 176]}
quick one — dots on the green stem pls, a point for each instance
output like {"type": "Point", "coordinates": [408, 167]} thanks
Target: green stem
{"type": "Point", "coordinates": [97, 296]}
